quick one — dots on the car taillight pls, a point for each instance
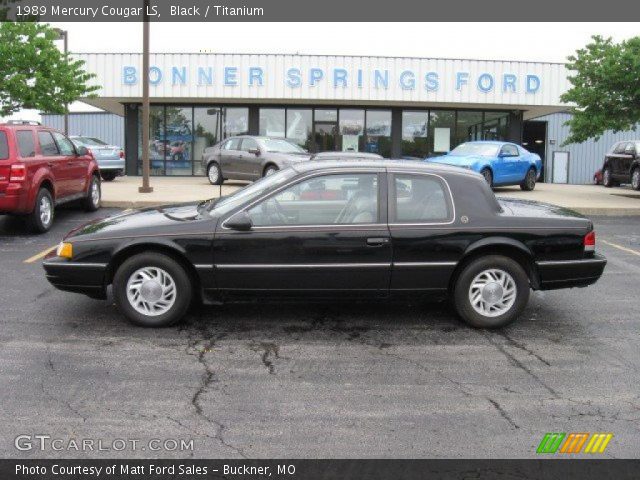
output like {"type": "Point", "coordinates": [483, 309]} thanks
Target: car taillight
{"type": "Point", "coordinates": [121, 153]}
{"type": "Point", "coordinates": [18, 173]}
{"type": "Point", "coordinates": [589, 241]}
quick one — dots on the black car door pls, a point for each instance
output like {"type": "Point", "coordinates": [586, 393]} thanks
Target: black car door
{"type": "Point", "coordinates": [325, 234]}
{"type": "Point", "coordinates": [627, 160]}
{"type": "Point", "coordinates": [421, 216]}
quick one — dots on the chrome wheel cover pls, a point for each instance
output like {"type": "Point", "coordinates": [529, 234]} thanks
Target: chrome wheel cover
{"type": "Point", "coordinates": [214, 174]}
{"type": "Point", "coordinates": [46, 211]}
{"type": "Point", "coordinates": [605, 177]}
{"type": "Point", "coordinates": [270, 171]}
{"type": "Point", "coordinates": [635, 179]}
{"type": "Point", "coordinates": [492, 292]}
{"type": "Point", "coordinates": [151, 291]}
{"type": "Point", "coordinates": [95, 192]}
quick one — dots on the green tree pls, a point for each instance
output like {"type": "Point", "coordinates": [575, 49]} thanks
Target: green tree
{"type": "Point", "coordinates": [605, 88]}
{"type": "Point", "coordinates": [34, 73]}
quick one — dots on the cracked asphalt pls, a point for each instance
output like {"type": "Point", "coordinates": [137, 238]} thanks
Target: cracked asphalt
{"type": "Point", "coordinates": [319, 381]}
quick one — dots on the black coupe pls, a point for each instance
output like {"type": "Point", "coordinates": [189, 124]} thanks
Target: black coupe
{"type": "Point", "coordinates": [334, 229]}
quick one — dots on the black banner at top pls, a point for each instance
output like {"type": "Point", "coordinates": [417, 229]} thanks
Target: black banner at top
{"type": "Point", "coordinates": [318, 10]}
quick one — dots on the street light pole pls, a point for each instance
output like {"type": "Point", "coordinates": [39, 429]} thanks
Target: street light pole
{"type": "Point", "coordinates": [145, 188]}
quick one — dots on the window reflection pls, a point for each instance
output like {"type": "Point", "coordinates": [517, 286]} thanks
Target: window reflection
{"type": "Point", "coordinates": [378, 132]}
{"type": "Point", "coordinates": [271, 122]}
{"type": "Point", "coordinates": [415, 125]}
{"type": "Point", "coordinates": [299, 126]}
{"type": "Point", "coordinates": [206, 133]}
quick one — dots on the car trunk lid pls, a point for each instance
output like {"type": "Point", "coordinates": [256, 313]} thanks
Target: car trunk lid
{"type": "Point", "coordinates": [530, 208]}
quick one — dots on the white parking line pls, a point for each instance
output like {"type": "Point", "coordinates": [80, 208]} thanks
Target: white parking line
{"type": "Point", "coordinates": [620, 247]}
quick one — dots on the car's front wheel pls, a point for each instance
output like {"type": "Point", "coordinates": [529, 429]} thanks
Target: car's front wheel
{"type": "Point", "coordinates": [607, 181]}
{"type": "Point", "coordinates": [529, 182]}
{"type": "Point", "coordinates": [214, 174]}
{"type": "Point", "coordinates": [152, 290]}
{"type": "Point", "coordinates": [491, 291]}
{"type": "Point", "coordinates": [635, 178]}
{"type": "Point", "coordinates": [488, 176]}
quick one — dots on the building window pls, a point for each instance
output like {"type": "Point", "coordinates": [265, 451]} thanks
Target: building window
{"type": "Point", "coordinates": [272, 122]}
{"type": "Point", "coordinates": [442, 124]}
{"type": "Point", "coordinates": [325, 129]}
{"type": "Point", "coordinates": [157, 140]}
{"type": "Point", "coordinates": [378, 132]}
{"type": "Point", "coordinates": [236, 121]}
{"type": "Point", "coordinates": [496, 126]}
{"type": "Point", "coordinates": [300, 126]}
{"type": "Point", "coordinates": [179, 140]}
{"type": "Point", "coordinates": [206, 132]}
{"type": "Point", "coordinates": [468, 127]}
{"type": "Point", "coordinates": [415, 125]}
{"type": "Point", "coordinates": [351, 130]}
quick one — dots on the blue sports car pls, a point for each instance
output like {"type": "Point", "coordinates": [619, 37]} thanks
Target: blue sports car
{"type": "Point", "coordinates": [501, 163]}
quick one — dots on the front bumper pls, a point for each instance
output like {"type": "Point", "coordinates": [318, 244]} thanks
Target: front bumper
{"type": "Point", "coordinates": [570, 273]}
{"type": "Point", "coordinates": [78, 277]}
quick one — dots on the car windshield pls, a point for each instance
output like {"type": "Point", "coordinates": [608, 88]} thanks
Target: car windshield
{"type": "Point", "coordinates": [481, 149]}
{"type": "Point", "coordinates": [90, 142]}
{"type": "Point", "coordinates": [277, 145]}
{"type": "Point", "coordinates": [255, 189]}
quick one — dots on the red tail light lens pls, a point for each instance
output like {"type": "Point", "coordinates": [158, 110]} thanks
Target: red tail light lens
{"type": "Point", "coordinates": [590, 241]}
{"type": "Point", "coordinates": [121, 153]}
{"type": "Point", "coordinates": [18, 173]}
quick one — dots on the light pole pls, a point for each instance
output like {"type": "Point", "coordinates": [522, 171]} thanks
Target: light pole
{"type": "Point", "coordinates": [145, 188]}
{"type": "Point", "coordinates": [64, 35]}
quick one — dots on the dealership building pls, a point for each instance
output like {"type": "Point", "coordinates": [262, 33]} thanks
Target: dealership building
{"type": "Point", "coordinates": [397, 107]}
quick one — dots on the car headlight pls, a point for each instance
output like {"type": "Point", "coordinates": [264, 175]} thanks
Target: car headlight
{"type": "Point", "coordinates": [65, 250]}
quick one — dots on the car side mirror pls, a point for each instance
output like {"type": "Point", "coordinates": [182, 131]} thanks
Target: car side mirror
{"type": "Point", "coordinates": [255, 151]}
{"type": "Point", "coordinates": [241, 221]}
{"type": "Point", "coordinates": [82, 151]}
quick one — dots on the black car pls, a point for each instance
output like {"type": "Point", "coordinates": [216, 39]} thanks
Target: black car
{"type": "Point", "coordinates": [334, 230]}
{"type": "Point", "coordinates": [622, 165]}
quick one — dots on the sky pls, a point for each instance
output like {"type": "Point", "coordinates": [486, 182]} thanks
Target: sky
{"type": "Point", "coordinates": [543, 42]}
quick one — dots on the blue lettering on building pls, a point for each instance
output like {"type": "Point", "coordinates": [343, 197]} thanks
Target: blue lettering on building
{"type": "Point", "coordinates": [205, 76]}
{"type": "Point", "coordinates": [408, 80]}
{"type": "Point", "coordinates": [315, 75]}
{"type": "Point", "coordinates": [256, 75]}
{"type": "Point", "coordinates": [509, 82]}
{"type": "Point", "coordinates": [339, 77]}
{"type": "Point", "coordinates": [155, 76]}
{"type": "Point", "coordinates": [381, 78]}
{"type": "Point", "coordinates": [485, 83]}
{"type": "Point", "coordinates": [432, 82]}
{"type": "Point", "coordinates": [533, 83]}
{"type": "Point", "coordinates": [294, 77]}
{"type": "Point", "coordinates": [179, 76]}
{"type": "Point", "coordinates": [462, 78]}
{"type": "Point", "coordinates": [231, 76]}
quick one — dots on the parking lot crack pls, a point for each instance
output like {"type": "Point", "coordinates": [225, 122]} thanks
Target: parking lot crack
{"type": "Point", "coordinates": [502, 412]}
{"type": "Point", "coordinates": [45, 391]}
{"type": "Point", "coordinates": [269, 351]}
{"type": "Point", "coordinates": [524, 348]}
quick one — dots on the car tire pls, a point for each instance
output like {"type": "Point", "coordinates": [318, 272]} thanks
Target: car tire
{"type": "Point", "coordinates": [269, 170]}
{"type": "Point", "coordinates": [165, 283]}
{"type": "Point", "coordinates": [529, 182]}
{"type": "Point", "coordinates": [607, 181]}
{"type": "Point", "coordinates": [635, 178]}
{"type": "Point", "coordinates": [108, 176]}
{"type": "Point", "coordinates": [214, 174]}
{"type": "Point", "coordinates": [488, 176]}
{"type": "Point", "coordinates": [500, 301]}
{"type": "Point", "coordinates": [41, 219]}
{"type": "Point", "coordinates": [94, 195]}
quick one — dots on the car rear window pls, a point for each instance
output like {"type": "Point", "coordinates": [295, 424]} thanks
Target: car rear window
{"type": "Point", "coordinates": [4, 146]}
{"type": "Point", "coordinates": [26, 144]}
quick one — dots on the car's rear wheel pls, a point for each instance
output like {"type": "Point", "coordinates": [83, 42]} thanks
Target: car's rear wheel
{"type": "Point", "coordinates": [41, 219]}
{"type": "Point", "coordinates": [529, 182]}
{"type": "Point", "coordinates": [607, 181]}
{"type": "Point", "coordinates": [635, 178]}
{"type": "Point", "coordinates": [152, 290]}
{"type": "Point", "coordinates": [488, 176]}
{"type": "Point", "coordinates": [214, 174]}
{"type": "Point", "coordinates": [108, 176]}
{"type": "Point", "coordinates": [491, 291]}
{"type": "Point", "coordinates": [94, 195]}
{"type": "Point", "coordinates": [270, 170]}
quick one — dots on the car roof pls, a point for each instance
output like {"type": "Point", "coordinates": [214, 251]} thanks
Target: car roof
{"type": "Point", "coordinates": [407, 165]}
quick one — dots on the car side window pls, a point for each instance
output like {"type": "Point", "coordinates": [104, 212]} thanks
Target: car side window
{"type": "Point", "coordinates": [26, 143]}
{"type": "Point", "coordinates": [48, 146]}
{"type": "Point", "coordinates": [340, 199]}
{"type": "Point", "coordinates": [4, 146]}
{"type": "Point", "coordinates": [509, 150]}
{"type": "Point", "coordinates": [419, 199]}
{"type": "Point", "coordinates": [629, 150]}
{"type": "Point", "coordinates": [233, 144]}
{"type": "Point", "coordinates": [64, 144]}
{"type": "Point", "coordinates": [249, 144]}
{"type": "Point", "coordinates": [619, 148]}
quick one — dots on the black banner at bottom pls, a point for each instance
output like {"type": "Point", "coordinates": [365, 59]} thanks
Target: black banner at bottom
{"type": "Point", "coordinates": [317, 469]}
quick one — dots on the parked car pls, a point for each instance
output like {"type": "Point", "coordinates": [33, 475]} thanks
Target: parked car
{"type": "Point", "coordinates": [249, 158]}
{"type": "Point", "coordinates": [500, 163]}
{"type": "Point", "coordinates": [382, 229]}
{"type": "Point", "coordinates": [110, 158]}
{"type": "Point", "coordinates": [622, 165]}
{"type": "Point", "coordinates": [346, 156]}
{"type": "Point", "coordinates": [41, 168]}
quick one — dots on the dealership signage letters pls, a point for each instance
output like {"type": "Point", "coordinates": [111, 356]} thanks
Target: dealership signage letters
{"type": "Point", "coordinates": [231, 76]}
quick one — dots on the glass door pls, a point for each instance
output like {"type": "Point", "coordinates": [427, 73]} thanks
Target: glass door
{"type": "Point", "coordinates": [325, 129]}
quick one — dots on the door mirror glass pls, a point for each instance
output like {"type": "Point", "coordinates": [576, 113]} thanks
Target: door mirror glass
{"type": "Point", "coordinates": [240, 221]}
{"type": "Point", "coordinates": [255, 151]}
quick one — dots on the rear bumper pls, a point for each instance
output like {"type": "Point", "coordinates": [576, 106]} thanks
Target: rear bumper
{"type": "Point", "coordinates": [14, 201]}
{"type": "Point", "coordinates": [85, 278]}
{"type": "Point", "coordinates": [111, 164]}
{"type": "Point", "coordinates": [570, 273]}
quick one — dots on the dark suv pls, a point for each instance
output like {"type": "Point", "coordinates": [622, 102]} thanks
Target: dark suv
{"type": "Point", "coordinates": [41, 168]}
{"type": "Point", "coordinates": [622, 165]}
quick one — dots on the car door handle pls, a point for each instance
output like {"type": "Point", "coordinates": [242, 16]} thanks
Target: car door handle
{"type": "Point", "coordinates": [377, 241]}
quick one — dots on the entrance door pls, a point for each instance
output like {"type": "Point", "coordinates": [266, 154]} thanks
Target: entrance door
{"type": "Point", "coordinates": [326, 136]}
{"type": "Point", "coordinates": [534, 139]}
{"type": "Point", "coordinates": [560, 167]}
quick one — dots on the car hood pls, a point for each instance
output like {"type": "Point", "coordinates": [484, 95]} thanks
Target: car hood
{"type": "Point", "coordinates": [457, 160]}
{"type": "Point", "coordinates": [165, 220]}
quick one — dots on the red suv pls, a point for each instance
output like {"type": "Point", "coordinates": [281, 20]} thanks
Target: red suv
{"type": "Point", "coordinates": [41, 168]}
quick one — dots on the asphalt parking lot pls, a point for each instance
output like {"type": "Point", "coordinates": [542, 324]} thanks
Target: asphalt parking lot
{"type": "Point", "coordinates": [294, 381]}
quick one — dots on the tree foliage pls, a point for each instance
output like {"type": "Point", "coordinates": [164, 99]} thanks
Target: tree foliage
{"type": "Point", "coordinates": [605, 88]}
{"type": "Point", "coordinates": [34, 73]}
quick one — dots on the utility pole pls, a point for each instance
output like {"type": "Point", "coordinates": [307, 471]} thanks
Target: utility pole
{"type": "Point", "coordinates": [64, 35]}
{"type": "Point", "coordinates": [145, 188]}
